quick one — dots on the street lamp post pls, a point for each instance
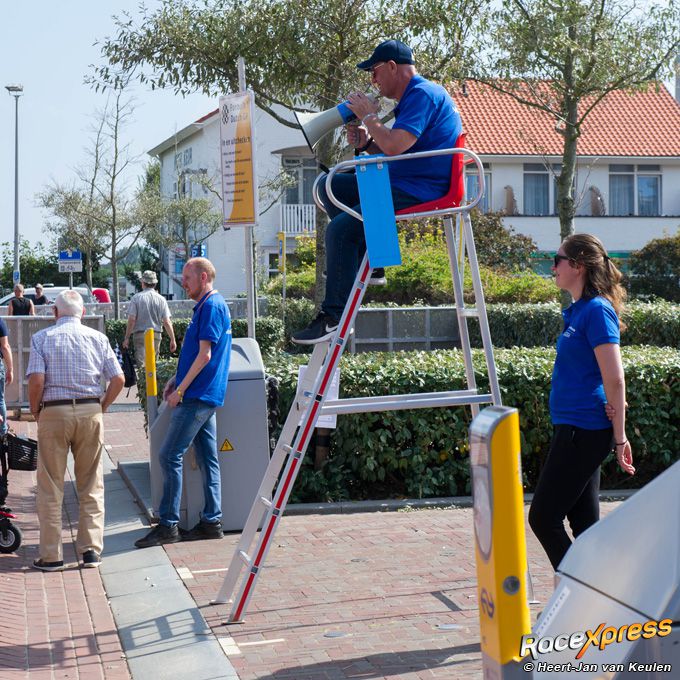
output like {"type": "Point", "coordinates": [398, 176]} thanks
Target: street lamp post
{"type": "Point", "coordinates": [16, 91]}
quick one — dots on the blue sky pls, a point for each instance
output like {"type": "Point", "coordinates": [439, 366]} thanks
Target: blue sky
{"type": "Point", "coordinates": [48, 47]}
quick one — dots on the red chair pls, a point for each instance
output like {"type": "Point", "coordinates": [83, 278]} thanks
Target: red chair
{"type": "Point", "coordinates": [454, 196]}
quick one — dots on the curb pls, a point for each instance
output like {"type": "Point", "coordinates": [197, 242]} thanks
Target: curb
{"type": "Point", "coordinates": [136, 476]}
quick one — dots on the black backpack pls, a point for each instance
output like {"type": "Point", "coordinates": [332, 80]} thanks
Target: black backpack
{"type": "Point", "coordinates": [129, 370]}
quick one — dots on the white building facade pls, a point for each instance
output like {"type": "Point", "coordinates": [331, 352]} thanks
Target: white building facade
{"type": "Point", "coordinates": [195, 150]}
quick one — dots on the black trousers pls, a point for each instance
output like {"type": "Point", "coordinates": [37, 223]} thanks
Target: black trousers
{"type": "Point", "coordinates": [568, 486]}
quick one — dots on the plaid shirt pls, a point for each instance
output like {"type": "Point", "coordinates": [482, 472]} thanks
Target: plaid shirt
{"type": "Point", "coordinates": [74, 358]}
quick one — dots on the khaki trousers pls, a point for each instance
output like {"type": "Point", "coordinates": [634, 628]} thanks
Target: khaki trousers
{"type": "Point", "coordinates": [140, 349]}
{"type": "Point", "coordinates": [79, 428]}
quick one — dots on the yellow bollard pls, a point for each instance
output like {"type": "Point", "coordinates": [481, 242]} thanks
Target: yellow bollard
{"type": "Point", "coordinates": [150, 363]}
{"type": "Point", "coordinates": [500, 540]}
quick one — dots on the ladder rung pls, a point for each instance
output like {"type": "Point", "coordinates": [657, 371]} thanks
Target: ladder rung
{"type": "Point", "coordinates": [401, 402]}
{"type": "Point", "coordinates": [469, 311]}
{"type": "Point", "coordinates": [245, 557]}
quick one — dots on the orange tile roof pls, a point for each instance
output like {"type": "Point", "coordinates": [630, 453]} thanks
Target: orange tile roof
{"type": "Point", "coordinates": [622, 124]}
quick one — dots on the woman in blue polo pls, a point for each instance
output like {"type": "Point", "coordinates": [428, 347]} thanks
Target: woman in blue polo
{"type": "Point", "coordinates": [588, 375]}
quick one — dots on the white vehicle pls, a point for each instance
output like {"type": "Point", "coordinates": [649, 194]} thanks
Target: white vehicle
{"type": "Point", "coordinates": [50, 292]}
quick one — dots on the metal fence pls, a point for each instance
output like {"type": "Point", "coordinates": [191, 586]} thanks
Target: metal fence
{"type": "Point", "coordinates": [388, 329]}
{"type": "Point", "coordinates": [20, 331]}
{"type": "Point", "coordinates": [180, 309]}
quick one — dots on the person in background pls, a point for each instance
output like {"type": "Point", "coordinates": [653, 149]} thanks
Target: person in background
{"type": "Point", "coordinates": [6, 373]}
{"type": "Point", "coordinates": [67, 364]}
{"type": "Point", "coordinates": [194, 395]}
{"type": "Point", "coordinates": [587, 377]}
{"type": "Point", "coordinates": [40, 298]}
{"type": "Point", "coordinates": [148, 309]}
{"type": "Point", "coordinates": [20, 305]}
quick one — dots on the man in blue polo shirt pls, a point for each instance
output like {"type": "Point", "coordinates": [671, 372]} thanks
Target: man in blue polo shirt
{"type": "Point", "coordinates": [194, 394]}
{"type": "Point", "coordinates": [426, 119]}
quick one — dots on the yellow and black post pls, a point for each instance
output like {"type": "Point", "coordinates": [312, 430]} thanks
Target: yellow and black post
{"type": "Point", "coordinates": [150, 371]}
{"type": "Point", "coordinates": [500, 540]}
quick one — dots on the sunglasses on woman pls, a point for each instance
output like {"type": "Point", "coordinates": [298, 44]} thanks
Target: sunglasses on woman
{"type": "Point", "coordinates": [557, 259]}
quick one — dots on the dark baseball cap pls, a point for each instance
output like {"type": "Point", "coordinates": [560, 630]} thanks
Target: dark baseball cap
{"type": "Point", "coordinates": [390, 50]}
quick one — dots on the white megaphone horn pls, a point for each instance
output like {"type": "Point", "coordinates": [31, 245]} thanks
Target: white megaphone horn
{"type": "Point", "coordinates": [315, 125]}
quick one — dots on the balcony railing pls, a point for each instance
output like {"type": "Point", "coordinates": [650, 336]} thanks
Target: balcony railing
{"type": "Point", "coordinates": [297, 218]}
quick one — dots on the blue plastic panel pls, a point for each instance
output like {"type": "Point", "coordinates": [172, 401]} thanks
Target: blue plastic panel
{"type": "Point", "coordinates": [380, 226]}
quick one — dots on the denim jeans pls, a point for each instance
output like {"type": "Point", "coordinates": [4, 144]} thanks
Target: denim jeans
{"type": "Point", "coordinates": [190, 421]}
{"type": "Point", "coordinates": [3, 406]}
{"type": "Point", "coordinates": [345, 242]}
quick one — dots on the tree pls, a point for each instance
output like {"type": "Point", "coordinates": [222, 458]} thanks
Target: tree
{"type": "Point", "coordinates": [183, 220]}
{"type": "Point", "coordinates": [94, 213]}
{"type": "Point", "coordinates": [36, 265]}
{"type": "Point", "coordinates": [564, 56]}
{"type": "Point", "coordinates": [300, 55]}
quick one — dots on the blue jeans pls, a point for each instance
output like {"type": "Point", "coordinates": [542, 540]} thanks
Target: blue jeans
{"type": "Point", "coordinates": [3, 406]}
{"type": "Point", "coordinates": [345, 242]}
{"type": "Point", "coordinates": [191, 421]}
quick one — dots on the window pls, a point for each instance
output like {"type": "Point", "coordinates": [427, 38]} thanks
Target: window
{"type": "Point", "coordinates": [540, 193]}
{"type": "Point", "coordinates": [303, 172]}
{"type": "Point", "coordinates": [634, 190]}
{"type": "Point", "coordinates": [472, 185]}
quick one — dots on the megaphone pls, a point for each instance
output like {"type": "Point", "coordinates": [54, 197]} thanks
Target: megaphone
{"type": "Point", "coordinates": [315, 125]}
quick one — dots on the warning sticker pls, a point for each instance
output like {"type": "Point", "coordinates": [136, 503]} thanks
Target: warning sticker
{"type": "Point", "coordinates": [226, 446]}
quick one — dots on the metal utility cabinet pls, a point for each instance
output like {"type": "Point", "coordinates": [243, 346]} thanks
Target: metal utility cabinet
{"type": "Point", "coordinates": [242, 443]}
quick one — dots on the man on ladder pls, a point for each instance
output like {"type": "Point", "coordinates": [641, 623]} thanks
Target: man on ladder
{"type": "Point", "coordinates": [426, 119]}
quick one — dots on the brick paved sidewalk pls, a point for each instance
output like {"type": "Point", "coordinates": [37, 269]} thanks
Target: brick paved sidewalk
{"type": "Point", "coordinates": [54, 625]}
{"type": "Point", "coordinates": [371, 596]}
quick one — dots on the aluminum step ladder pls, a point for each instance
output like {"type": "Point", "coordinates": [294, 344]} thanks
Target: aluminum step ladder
{"type": "Point", "coordinates": [311, 401]}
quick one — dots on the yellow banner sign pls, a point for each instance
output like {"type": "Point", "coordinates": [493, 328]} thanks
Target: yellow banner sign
{"type": "Point", "coordinates": [237, 158]}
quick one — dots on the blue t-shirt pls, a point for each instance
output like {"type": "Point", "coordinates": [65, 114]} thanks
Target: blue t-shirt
{"type": "Point", "coordinates": [211, 321]}
{"type": "Point", "coordinates": [427, 111]}
{"type": "Point", "coordinates": [577, 394]}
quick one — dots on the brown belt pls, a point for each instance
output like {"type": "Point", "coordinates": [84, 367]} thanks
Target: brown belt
{"type": "Point", "coordinates": [72, 402]}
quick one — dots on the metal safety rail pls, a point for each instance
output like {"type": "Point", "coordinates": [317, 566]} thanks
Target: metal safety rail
{"type": "Point", "coordinates": [311, 402]}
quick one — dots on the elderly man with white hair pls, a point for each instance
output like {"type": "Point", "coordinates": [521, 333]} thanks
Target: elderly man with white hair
{"type": "Point", "coordinates": [65, 371]}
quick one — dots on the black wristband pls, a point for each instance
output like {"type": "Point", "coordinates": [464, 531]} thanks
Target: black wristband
{"type": "Point", "coordinates": [363, 148]}
{"type": "Point", "coordinates": [625, 441]}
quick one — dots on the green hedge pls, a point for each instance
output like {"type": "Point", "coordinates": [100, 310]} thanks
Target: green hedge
{"type": "Point", "coordinates": [524, 325]}
{"type": "Point", "coordinates": [423, 453]}
{"type": "Point", "coordinates": [268, 330]}
{"type": "Point", "coordinates": [514, 325]}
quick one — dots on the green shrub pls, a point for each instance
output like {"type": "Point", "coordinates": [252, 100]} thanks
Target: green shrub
{"type": "Point", "coordinates": [425, 276]}
{"type": "Point", "coordinates": [269, 333]}
{"type": "Point", "coordinates": [514, 325]}
{"type": "Point", "coordinates": [423, 453]}
{"type": "Point", "coordinates": [656, 269]}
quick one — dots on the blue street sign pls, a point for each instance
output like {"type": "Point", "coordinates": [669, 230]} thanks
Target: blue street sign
{"type": "Point", "coordinates": [70, 255]}
{"type": "Point", "coordinates": [70, 261]}
{"type": "Point", "coordinates": [16, 277]}
{"type": "Point", "coordinates": [200, 250]}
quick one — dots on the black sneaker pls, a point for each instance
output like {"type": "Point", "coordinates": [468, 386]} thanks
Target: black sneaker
{"type": "Point", "coordinates": [202, 531]}
{"type": "Point", "coordinates": [322, 328]}
{"type": "Point", "coordinates": [377, 277]}
{"type": "Point", "coordinates": [91, 560]}
{"type": "Point", "coordinates": [48, 566]}
{"type": "Point", "coordinates": [159, 535]}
